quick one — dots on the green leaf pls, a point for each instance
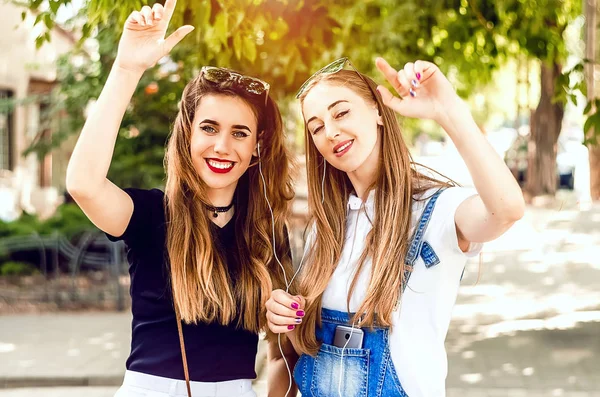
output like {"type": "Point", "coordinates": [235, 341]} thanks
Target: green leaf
{"type": "Point", "coordinates": [221, 28]}
{"type": "Point", "coordinates": [249, 49]}
{"type": "Point", "coordinates": [39, 41]}
{"type": "Point", "coordinates": [573, 99]}
{"type": "Point", "coordinates": [591, 140]}
{"type": "Point", "coordinates": [588, 107]}
{"type": "Point", "coordinates": [23, 15]}
{"type": "Point", "coordinates": [86, 29]}
{"type": "Point", "coordinates": [593, 121]}
{"type": "Point", "coordinates": [239, 18]}
{"type": "Point", "coordinates": [48, 21]}
{"type": "Point", "coordinates": [237, 45]}
{"type": "Point", "coordinates": [54, 6]}
{"type": "Point", "coordinates": [281, 27]}
{"type": "Point", "coordinates": [203, 11]}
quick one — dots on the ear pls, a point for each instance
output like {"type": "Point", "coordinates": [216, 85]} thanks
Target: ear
{"type": "Point", "coordinates": [379, 118]}
{"type": "Point", "coordinates": [258, 143]}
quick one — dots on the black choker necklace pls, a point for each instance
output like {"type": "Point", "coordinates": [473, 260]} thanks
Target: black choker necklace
{"type": "Point", "coordinates": [216, 210]}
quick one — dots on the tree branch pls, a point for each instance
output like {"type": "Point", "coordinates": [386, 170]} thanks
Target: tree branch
{"type": "Point", "coordinates": [479, 15]}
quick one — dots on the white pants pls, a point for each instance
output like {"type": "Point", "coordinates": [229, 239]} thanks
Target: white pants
{"type": "Point", "coordinates": [137, 384]}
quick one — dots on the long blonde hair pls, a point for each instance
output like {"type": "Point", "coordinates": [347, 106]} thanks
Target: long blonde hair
{"type": "Point", "coordinates": [202, 288]}
{"type": "Point", "coordinates": [387, 243]}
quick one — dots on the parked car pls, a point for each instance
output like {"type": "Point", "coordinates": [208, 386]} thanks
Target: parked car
{"type": "Point", "coordinates": [568, 149]}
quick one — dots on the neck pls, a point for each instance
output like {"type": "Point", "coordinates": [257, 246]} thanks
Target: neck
{"type": "Point", "coordinates": [364, 176]}
{"type": "Point", "coordinates": [221, 197]}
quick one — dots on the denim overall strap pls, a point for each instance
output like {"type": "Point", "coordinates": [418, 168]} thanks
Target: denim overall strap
{"type": "Point", "coordinates": [418, 246]}
{"type": "Point", "coordinates": [417, 240]}
{"type": "Point", "coordinates": [366, 372]}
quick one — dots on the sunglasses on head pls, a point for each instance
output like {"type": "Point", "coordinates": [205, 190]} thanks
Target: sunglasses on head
{"type": "Point", "coordinates": [332, 68]}
{"type": "Point", "coordinates": [249, 84]}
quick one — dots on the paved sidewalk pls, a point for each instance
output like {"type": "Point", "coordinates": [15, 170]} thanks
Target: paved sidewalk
{"type": "Point", "coordinates": [529, 327]}
{"type": "Point", "coordinates": [532, 321]}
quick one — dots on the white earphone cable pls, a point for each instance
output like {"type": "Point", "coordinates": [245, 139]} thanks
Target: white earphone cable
{"type": "Point", "coordinates": [287, 284]}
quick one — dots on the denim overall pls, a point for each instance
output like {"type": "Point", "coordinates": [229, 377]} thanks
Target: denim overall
{"type": "Point", "coordinates": [368, 371]}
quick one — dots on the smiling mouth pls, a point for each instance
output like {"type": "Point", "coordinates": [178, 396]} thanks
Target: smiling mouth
{"type": "Point", "coordinates": [219, 166]}
{"type": "Point", "coordinates": [342, 148]}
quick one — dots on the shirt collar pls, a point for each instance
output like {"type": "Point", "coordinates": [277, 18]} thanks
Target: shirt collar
{"type": "Point", "coordinates": [354, 202]}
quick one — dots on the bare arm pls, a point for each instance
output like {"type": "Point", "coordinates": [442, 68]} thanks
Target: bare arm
{"type": "Point", "coordinates": [500, 202]}
{"type": "Point", "coordinates": [141, 46]}
{"type": "Point", "coordinates": [428, 94]}
{"type": "Point", "coordinates": [106, 205]}
{"type": "Point", "coordinates": [278, 376]}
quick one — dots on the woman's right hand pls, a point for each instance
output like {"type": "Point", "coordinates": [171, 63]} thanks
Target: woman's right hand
{"type": "Point", "coordinates": [284, 311]}
{"type": "Point", "coordinates": [143, 41]}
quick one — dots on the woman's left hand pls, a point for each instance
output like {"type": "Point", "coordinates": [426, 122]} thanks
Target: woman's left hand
{"type": "Point", "coordinates": [424, 90]}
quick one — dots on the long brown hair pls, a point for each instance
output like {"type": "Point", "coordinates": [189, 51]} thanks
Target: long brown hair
{"type": "Point", "coordinates": [387, 243]}
{"type": "Point", "coordinates": [202, 288]}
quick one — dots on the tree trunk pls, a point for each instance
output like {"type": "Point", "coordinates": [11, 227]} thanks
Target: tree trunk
{"type": "Point", "coordinates": [590, 53]}
{"type": "Point", "coordinates": [595, 172]}
{"type": "Point", "coordinates": [545, 127]}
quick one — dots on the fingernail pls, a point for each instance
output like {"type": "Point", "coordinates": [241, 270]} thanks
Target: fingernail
{"type": "Point", "coordinates": [412, 93]}
{"type": "Point", "coordinates": [291, 327]}
{"type": "Point", "coordinates": [298, 320]}
{"type": "Point", "coordinates": [295, 305]}
{"type": "Point", "coordinates": [300, 313]}
{"type": "Point", "coordinates": [414, 83]}
{"type": "Point", "coordinates": [418, 76]}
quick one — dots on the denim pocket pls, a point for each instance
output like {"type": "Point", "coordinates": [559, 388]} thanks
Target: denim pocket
{"type": "Point", "coordinates": [299, 373]}
{"type": "Point", "coordinates": [326, 372]}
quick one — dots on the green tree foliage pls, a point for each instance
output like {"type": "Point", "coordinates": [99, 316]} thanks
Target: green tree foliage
{"type": "Point", "coordinates": [283, 41]}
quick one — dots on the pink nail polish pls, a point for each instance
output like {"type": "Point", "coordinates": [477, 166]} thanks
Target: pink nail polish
{"type": "Point", "coordinates": [295, 305]}
{"type": "Point", "coordinates": [291, 327]}
{"type": "Point", "coordinates": [300, 313]}
{"type": "Point", "coordinates": [418, 76]}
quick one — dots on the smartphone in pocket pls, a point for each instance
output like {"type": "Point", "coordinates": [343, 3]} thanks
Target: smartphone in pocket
{"type": "Point", "coordinates": [343, 334]}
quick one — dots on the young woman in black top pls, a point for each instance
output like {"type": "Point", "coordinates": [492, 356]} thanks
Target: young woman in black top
{"type": "Point", "coordinates": [210, 248]}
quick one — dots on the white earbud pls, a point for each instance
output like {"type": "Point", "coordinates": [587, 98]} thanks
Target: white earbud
{"type": "Point", "coordinates": [323, 181]}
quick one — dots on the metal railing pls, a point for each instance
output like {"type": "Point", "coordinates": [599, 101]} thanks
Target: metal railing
{"type": "Point", "coordinates": [52, 248]}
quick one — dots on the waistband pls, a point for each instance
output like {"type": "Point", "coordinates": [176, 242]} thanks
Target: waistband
{"type": "Point", "coordinates": [177, 387]}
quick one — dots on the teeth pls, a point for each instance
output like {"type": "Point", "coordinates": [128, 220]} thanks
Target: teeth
{"type": "Point", "coordinates": [341, 149]}
{"type": "Point", "coordinates": [220, 165]}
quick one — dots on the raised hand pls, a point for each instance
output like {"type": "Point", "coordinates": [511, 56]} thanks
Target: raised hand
{"type": "Point", "coordinates": [143, 41]}
{"type": "Point", "coordinates": [424, 90]}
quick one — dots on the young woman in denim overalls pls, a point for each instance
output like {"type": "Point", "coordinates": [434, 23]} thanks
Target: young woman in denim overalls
{"type": "Point", "coordinates": [388, 242]}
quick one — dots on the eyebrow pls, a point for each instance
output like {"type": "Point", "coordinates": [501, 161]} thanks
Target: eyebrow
{"type": "Point", "coordinates": [235, 126]}
{"type": "Point", "coordinates": [328, 108]}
